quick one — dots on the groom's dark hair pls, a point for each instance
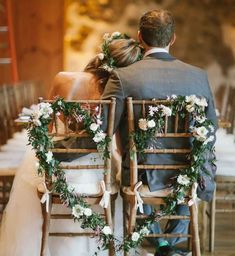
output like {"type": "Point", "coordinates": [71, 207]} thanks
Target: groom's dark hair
{"type": "Point", "coordinates": [157, 28]}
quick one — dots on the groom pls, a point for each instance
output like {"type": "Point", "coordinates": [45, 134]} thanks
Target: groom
{"type": "Point", "coordinates": [158, 75]}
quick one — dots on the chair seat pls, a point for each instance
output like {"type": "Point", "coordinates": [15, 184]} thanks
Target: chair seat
{"type": "Point", "coordinates": [145, 192]}
{"type": "Point", "coordinates": [91, 190]}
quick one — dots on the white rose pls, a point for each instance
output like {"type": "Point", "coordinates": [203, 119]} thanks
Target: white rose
{"type": "Point", "coordinates": [191, 99]}
{"type": "Point", "coordinates": [190, 108]}
{"type": "Point", "coordinates": [135, 236]}
{"type": "Point", "coordinates": [115, 34]}
{"type": "Point", "coordinates": [166, 110]}
{"type": "Point", "coordinates": [173, 96]}
{"type": "Point", "coordinates": [99, 137]}
{"type": "Point", "coordinates": [87, 212]}
{"type": "Point", "coordinates": [101, 56]}
{"type": "Point", "coordinates": [49, 156]}
{"type": "Point", "coordinates": [94, 127]}
{"type": "Point", "coordinates": [152, 110]}
{"type": "Point", "coordinates": [145, 231]}
{"type": "Point", "coordinates": [77, 211]}
{"type": "Point", "coordinates": [45, 109]}
{"type": "Point", "coordinates": [143, 125]}
{"type": "Point", "coordinates": [151, 123]}
{"type": "Point", "coordinates": [201, 133]}
{"type": "Point", "coordinates": [107, 230]}
{"type": "Point", "coordinates": [37, 122]}
{"type": "Point", "coordinates": [200, 119]}
{"type": "Point", "coordinates": [183, 180]}
{"type": "Point", "coordinates": [210, 139]}
{"type": "Point", "coordinates": [202, 102]}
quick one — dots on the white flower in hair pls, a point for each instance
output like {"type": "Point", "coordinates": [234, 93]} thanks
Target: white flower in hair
{"type": "Point", "coordinates": [107, 230]}
{"type": "Point", "coordinates": [135, 236]}
{"type": "Point", "coordinates": [115, 34]}
{"type": "Point", "coordinates": [106, 36]}
{"type": "Point", "coordinates": [143, 124]}
{"type": "Point", "coordinates": [101, 56]}
{"type": "Point", "coordinates": [183, 180]}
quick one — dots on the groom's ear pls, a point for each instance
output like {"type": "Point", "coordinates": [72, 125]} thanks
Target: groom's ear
{"type": "Point", "coordinates": [139, 36]}
{"type": "Point", "coordinates": [173, 39]}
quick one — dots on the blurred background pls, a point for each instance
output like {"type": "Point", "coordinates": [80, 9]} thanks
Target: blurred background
{"type": "Point", "coordinates": [56, 35]}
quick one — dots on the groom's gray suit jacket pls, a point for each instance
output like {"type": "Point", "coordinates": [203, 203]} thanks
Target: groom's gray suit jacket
{"type": "Point", "coordinates": [157, 76]}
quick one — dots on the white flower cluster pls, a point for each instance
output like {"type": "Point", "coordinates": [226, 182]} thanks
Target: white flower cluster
{"type": "Point", "coordinates": [99, 134]}
{"type": "Point", "coordinates": [108, 38]}
{"type": "Point", "coordinates": [43, 110]}
{"type": "Point", "coordinates": [193, 100]}
{"type": "Point", "coordinates": [183, 180]}
{"type": "Point", "coordinates": [79, 211]}
{"type": "Point", "coordinates": [144, 124]}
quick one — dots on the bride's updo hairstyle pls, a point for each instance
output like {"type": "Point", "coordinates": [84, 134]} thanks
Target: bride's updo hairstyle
{"type": "Point", "coordinates": [118, 50]}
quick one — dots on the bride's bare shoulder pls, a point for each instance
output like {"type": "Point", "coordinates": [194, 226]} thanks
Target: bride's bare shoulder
{"type": "Point", "coordinates": [64, 81]}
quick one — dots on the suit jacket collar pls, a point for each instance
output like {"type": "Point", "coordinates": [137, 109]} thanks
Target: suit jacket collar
{"type": "Point", "coordinates": [160, 55]}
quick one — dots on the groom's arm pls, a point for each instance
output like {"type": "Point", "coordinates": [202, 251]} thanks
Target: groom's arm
{"type": "Point", "coordinates": [114, 89]}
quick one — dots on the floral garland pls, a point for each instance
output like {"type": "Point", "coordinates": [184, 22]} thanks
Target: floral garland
{"type": "Point", "coordinates": [41, 142]}
{"type": "Point", "coordinates": [202, 130]}
{"type": "Point", "coordinates": [108, 62]}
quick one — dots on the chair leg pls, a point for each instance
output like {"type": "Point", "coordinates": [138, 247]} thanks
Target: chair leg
{"type": "Point", "coordinates": [45, 228]}
{"type": "Point", "coordinates": [212, 223]}
{"type": "Point", "coordinates": [195, 234]}
{"type": "Point", "coordinates": [108, 214]}
{"type": "Point", "coordinates": [125, 221]}
{"type": "Point", "coordinates": [203, 226]}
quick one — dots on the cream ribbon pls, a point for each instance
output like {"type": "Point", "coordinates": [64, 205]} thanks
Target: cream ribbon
{"type": "Point", "coordinates": [46, 197]}
{"type": "Point", "coordinates": [193, 199]}
{"type": "Point", "coordinates": [104, 202]}
{"type": "Point", "coordinates": [138, 199]}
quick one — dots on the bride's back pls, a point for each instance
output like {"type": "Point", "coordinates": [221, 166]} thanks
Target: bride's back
{"type": "Point", "coordinates": [75, 85]}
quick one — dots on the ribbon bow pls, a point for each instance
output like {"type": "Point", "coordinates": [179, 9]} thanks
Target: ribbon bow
{"type": "Point", "coordinates": [193, 199]}
{"type": "Point", "coordinates": [138, 199]}
{"type": "Point", "coordinates": [104, 202]}
{"type": "Point", "coordinates": [46, 197]}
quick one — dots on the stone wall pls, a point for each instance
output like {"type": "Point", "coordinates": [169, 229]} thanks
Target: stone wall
{"type": "Point", "coordinates": [205, 31]}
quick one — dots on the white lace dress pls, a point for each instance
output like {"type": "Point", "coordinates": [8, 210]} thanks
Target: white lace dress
{"type": "Point", "coordinates": [20, 233]}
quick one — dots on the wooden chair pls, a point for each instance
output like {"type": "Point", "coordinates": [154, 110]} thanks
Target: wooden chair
{"type": "Point", "coordinates": [92, 199]}
{"type": "Point", "coordinates": [155, 198]}
{"type": "Point", "coordinates": [223, 199]}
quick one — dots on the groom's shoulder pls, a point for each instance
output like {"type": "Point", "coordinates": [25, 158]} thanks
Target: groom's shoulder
{"type": "Point", "coordinates": [192, 68]}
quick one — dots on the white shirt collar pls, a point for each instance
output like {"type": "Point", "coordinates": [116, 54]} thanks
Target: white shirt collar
{"type": "Point", "coordinates": [154, 50]}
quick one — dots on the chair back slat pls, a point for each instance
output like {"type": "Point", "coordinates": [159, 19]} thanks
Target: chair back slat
{"type": "Point", "coordinates": [71, 126]}
{"type": "Point", "coordinates": [175, 127]}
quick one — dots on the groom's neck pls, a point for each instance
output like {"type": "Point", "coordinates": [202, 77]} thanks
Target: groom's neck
{"type": "Point", "coordinates": [147, 48]}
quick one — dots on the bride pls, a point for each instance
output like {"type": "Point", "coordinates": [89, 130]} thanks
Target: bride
{"type": "Point", "coordinates": [20, 231]}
